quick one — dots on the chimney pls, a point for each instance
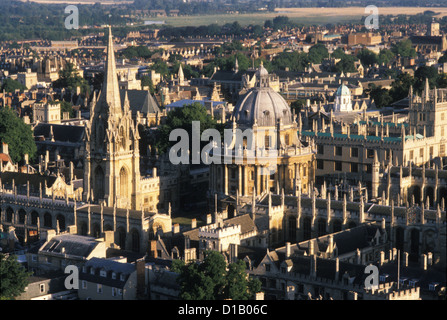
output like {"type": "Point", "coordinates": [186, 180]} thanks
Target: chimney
{"type": "Point", "coordinates": [337, 269]}
{"type": "Point", "coordinates": [424, 262]}
{"type": "Point", "coordinates": [50, 234]}
{"type": "Point", "coordinates": [141, 275]}
{"type": "Point", "coordinates": [311, 247]}
{"type": "Point", "coordinates": [109, 237]}
{"type": "Point", "coordinates": [176, 228]}
{"type": "Point", "coordinates": [5, 148]}
{"type": "Point", "coordinates": [331, 244]}
{"type": "Point", "coordinates": [430, 258]}
{"type": "Point", "coordinates": [313, 266]}
{"type": "Point", "coordinates": [382, 257]}
{"type": "Point", "coordinates": [154, 172]}
{"type": "Point", "coordinates": [288, 250]}
{"type": "Point", "coordinates": [406, 255]}
{"type": "Point", "coordinates": [194, 223]}
{"type": "Point", "coordinates": [153, 249]}
{"type": "Point", "coordinates": [209, 219]}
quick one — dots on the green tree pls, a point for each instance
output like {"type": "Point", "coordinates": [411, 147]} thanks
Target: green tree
{"type": "Point", "coordinates": [385, 56]}
{"type": "Point", "coordinates": [70, 79]}
{"type": "Point", "coordinates": [404, 48]}
{"type": "Point", "coordinates": [422, 73]}
{"type": "Point", "coordinates": [66, 107]}
{"type": "Point", "coordinates": [401, 86]}
{"type": "Point", "coordinates": [182, 118]}
{"type": "Point", "coordinates": [210, 280]}
{"type": "Point", "coordinates": [17, 135]}
{"type": "Point", "coordinates": [317, 53]}
{"type": "Point", "coordinates": [238, 285]}
{"type": "Point", "coordinates": [295, 61]}
{"type": "Point", "coordinates": [13, 277]}
{"type": "Point", "coordinates": [367, 57]}
{"type": "Point", "coordinates": [297, 105]}
{"type": "Point", "coordinates": [10, 85]}
{"type": "Point", "coordinates": [381, 96]}
{"type": "Point", "coordinates": [147, 82]}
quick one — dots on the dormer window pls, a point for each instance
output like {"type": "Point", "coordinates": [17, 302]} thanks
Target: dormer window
{"type": "Point", "coordinates": [383, 277]}
{"type": "Point", "coordinates": [114, 275]}
{"type": "Point", "coordinates": [122, 277]}
{"type": "Point", "coordinates": [92, 271]}
{"type": "Point", "coordinates": [84, 269]}
{"type": "Point", "coordinates": [103, 273]}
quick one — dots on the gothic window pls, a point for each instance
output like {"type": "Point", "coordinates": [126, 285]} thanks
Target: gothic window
{"type": "Point", "coordinates": [135, 241]}
{"type": "Point", "coordinates": [123, 182]}
{"type": "Point", "coordinates": [47, 220]}
{"type": "Point", "coordinates": [99, 136]}
{"type": "Point", "coordinates": [99, 184]}
{"type": "Point", "coordinates": [123, 138]}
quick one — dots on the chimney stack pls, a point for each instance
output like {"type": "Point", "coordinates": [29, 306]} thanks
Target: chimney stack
{"type": "Point", "coordinates": [406, 255]}
{"type": "Point", "coordinates": [337, 269]}
{"type": "Point", "coordinates": [313, 266]}
{"type": "Point", "coordinates": [193, 223]}
{"type": "Point", "coordinates": [288, 250]}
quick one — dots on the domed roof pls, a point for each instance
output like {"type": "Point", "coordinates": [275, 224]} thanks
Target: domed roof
{"type": "Point", "coordinates": [264, 105]}
{"type": "Point", "coordinates": [343, 91]}
{"type": "Point", "coordinates": [262, 71]}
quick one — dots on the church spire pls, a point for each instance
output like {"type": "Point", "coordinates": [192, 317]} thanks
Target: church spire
{"type": "Point", "coordinates": [110, 95]}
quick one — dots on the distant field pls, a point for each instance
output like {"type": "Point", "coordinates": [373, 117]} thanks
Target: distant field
{"type": "Point", "coordinates": [299, 15]}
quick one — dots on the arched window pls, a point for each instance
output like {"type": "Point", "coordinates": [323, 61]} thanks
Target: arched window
{"type": "Point", "coordinates": [292, 228]}
{"type": "Point", "coordinates": [307, 228]}
{"type": "Point", "coordinates": [99, 184]}
{"type": "Point", "coordinates": [61, 220]}
{"type": "Point", "coordinates": [9, 214]}
{"type": "Point", "coordinates": [123, 138]}
{"type": "Point", "coordinates": [22, 216]}
{"type": "Point", "coordinates": [321, 227]}
{"type": "Point", "coordinates": [122, 238]}
{"type": "Point", "coordinates": [123, 182]}
{"type": "Point", "coordinates": [336, 226]}
{"type": "Point", "coordinates": [34, 218]}
{"type": "Point", "coordinates": [47, 220]}
{"type": "Point", "coordinates": [135, 241]}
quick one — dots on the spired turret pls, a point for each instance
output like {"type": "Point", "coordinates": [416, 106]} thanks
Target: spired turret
{"type": "Point", "coordinates": [112, 169]}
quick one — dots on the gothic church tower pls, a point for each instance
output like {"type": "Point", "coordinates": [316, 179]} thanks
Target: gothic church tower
{"type": "Point", "coordinates": [112, 167]}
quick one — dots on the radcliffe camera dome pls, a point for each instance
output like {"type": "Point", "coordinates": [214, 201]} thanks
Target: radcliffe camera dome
{"type": "Point", "coordinates": [262, 104]}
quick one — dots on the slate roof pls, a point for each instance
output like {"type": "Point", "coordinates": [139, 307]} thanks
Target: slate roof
{"type": "Point", "coordinates": [75, 245]}
{"type": "Point", "coordinates": [61, 133]}
{"type": "Point", "coordinates": [140, 100]}
{"type": "Point", "coordinates": [20, 179]}
{"type": "Point", "coordinates": [109, 266]}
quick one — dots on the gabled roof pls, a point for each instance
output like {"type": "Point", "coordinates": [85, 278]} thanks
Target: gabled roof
{"type": "Point", "coordinates": [140, 100]}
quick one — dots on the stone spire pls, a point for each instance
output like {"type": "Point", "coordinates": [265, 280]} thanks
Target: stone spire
{"type": "Point", "coordinates": [110, 95]}
{"type": "Point", "coordinates": [181, 75]}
